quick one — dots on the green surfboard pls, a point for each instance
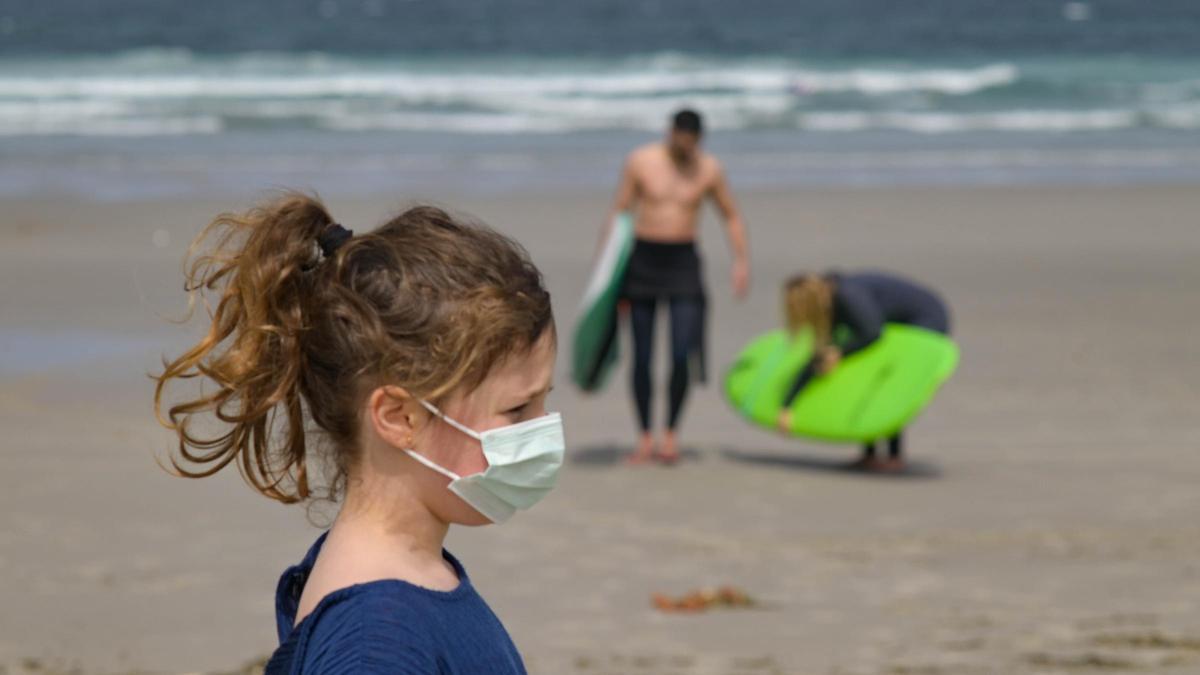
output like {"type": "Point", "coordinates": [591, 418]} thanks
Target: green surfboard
{"type": "Point", "coordinates": [870, 395]}
{"type": "Point", "coordinates": [594, 348]}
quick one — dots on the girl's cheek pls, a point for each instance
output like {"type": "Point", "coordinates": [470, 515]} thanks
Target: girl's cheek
{"type": "Point", "coordinates": [474, 462]}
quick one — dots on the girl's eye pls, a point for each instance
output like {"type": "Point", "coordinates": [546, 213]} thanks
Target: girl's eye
{"type": "Point", "coordinates": [518, 411]}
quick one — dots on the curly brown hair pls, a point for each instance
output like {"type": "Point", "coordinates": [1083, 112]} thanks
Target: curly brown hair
{"type": "Point", "coordinates": [426, 301]}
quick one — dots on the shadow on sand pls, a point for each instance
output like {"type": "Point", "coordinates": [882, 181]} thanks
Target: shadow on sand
{"type": "Point", "coordinates": [615, 455]}
{"type": "Point", "coordinates": [913, 470]}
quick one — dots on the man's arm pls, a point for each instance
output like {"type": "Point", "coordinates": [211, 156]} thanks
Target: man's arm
{"type": "Point", "coordinates": [624, 200]}
{"type": "Point", "coordinates": [735, 230]}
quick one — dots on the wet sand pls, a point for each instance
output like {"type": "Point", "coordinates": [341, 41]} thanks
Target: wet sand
{"type": "Point", "coordinates": [1053, 525]}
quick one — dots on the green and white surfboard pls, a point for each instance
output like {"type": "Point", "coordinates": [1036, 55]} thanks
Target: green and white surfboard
{"type": "Point", "coordinates": [594, 348]}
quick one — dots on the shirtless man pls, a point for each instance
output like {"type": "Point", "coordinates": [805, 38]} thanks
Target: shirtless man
{"type": "Point", "coordinates": [668, 182]}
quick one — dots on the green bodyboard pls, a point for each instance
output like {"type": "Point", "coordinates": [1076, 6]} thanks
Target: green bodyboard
{"type": "Point", "coordinates": [594, 347]}
{"type": "Point", "coordinates": [872, 394]}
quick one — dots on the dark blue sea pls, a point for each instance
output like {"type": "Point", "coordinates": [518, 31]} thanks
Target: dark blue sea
{"type": "Point", "coordinates": [141, 98]}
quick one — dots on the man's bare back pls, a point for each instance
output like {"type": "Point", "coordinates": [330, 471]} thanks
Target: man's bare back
{"type": "Point", "coordinates": [669, 193]}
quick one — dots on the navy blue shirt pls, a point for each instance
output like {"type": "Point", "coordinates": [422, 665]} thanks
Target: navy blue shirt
{"type": "Point", "coordinates": [389, 627]}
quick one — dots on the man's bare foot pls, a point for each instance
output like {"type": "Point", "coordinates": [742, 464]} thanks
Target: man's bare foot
{"type": "Point", "coordinates": [670, 449]}
{"type": "Point", "coordinates": [644, 452]}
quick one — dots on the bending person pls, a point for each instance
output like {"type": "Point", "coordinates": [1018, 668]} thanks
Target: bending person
{"type": "Point", "coordinates": [846, 313]}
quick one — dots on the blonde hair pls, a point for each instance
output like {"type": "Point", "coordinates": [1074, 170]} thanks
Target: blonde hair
{"type": "Point", "coordinates": [808, 303]}
{"type": "Point", "coordinates": [425, 302]}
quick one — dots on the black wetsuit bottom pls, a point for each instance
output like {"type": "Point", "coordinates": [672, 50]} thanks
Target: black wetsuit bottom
{"type": "Point", "coordinates": [687, 315]}
{"type": "Point", "coordinates": [668, 273]}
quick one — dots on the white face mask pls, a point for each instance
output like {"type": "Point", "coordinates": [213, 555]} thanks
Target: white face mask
{"type": "Point", "coordinates": [523, 462]}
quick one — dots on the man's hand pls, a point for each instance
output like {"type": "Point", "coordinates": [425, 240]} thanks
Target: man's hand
{"type": "Point", "coordinates": [740, 275]}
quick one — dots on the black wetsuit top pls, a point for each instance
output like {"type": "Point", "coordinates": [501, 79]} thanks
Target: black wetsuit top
{"type": "Point", "coordinates": [863, 303]}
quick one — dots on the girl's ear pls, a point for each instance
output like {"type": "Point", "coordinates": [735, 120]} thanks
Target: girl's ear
{"type": "Point", "coordinates": [396, 415]}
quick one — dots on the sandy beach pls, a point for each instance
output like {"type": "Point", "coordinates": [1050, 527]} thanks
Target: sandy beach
{"type": "Point", "coordinates": [1051, 525]}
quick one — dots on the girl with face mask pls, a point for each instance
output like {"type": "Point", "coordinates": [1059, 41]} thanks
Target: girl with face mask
{"type": "Point", "coordinates": [414, 362]}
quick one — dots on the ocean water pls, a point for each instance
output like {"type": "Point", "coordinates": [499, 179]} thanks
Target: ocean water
{"type": "Point", "coordinates": [125, 97]}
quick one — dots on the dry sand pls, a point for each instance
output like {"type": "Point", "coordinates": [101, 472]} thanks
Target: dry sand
{"type": "Point", "coordinates": [1055, 526]}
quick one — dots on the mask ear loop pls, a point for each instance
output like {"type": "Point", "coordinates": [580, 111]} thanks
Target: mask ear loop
{"type": "Point", "coordinates": [429, 463]}
{"type": "Point", "coordinates": [442, 416]}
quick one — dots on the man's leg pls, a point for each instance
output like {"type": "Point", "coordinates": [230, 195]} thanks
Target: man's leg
{"type": "Point", "coordinates": [687, 320]}
{"type": "Point", "coordinates": [642, 318]}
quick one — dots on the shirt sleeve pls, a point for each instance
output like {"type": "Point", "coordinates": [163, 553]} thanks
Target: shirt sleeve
{"type": "Point", "coordinates": [370, 637]}
{"type": "Point", "coordinates": [857, 311]}
{"type": "Point", "coordinates": [802, 380]}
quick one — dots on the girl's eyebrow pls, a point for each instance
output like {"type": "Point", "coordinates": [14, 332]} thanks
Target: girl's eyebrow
{"type": "Point", "coordinates": [534, 394]}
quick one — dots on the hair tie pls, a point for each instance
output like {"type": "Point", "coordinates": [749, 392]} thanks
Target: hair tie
{"type": "Point", "coordinates": [332, 238]}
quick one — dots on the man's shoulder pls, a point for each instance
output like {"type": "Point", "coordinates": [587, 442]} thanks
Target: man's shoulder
{"type": "Point", "coordinates": [710, 164]}
{"type": "Point", "coordinates": [644, 153]}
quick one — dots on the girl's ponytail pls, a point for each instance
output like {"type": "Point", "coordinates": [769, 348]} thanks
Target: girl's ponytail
{"type": "Point", "coordinates": [261, 265]}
